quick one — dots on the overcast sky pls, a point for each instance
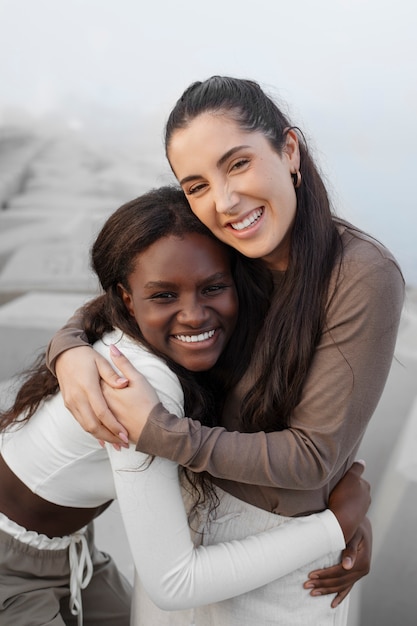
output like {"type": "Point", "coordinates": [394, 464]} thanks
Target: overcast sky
{"type": "Point", "coordinates": [346, 69]}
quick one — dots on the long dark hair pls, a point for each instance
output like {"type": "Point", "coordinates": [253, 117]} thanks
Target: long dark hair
{"type": "Point", "coordinates": [129, 231]}
{"type": "Point", "coordinates": [297, 314]}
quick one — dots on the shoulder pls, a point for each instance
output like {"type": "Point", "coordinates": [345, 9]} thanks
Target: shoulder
{"type": "Point", "coordinates": [365, 258]}
{"type": "Point", "coordinates": [367, 282]}
{"type": "Point", "coordinates": [361, 246]}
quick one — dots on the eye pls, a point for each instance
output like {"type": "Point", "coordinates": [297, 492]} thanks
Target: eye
{"type": "Point", "coordinates": [163, 295]}
{"type": "Point", "coordinates": [239, 164]}
{"type": "Point", "coordinates": [215, 289]}
{"type": "Point", "coordinates": [195, 189]}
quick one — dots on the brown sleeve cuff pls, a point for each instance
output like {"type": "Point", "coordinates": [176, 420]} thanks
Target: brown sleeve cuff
{"type": "Point", "coordinates": [70, 336]}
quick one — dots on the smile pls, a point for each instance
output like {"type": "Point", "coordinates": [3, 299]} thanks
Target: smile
{"type": "Point", "coordinates": [248, 221]}
{"type": "Point", "coordinates": [195, 338]}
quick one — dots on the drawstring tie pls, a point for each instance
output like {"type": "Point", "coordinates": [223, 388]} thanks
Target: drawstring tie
{"type": "Point", "coordinates": [81, 571]}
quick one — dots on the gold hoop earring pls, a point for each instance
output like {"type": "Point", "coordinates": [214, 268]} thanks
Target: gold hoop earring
{"type": "Point", "coordinates": [296, 179]}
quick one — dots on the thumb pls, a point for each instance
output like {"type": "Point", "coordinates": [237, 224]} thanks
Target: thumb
{"type": "Point", "coordinates": [358, 467]}
{"type": "Point", "coordinates": [349, 557]}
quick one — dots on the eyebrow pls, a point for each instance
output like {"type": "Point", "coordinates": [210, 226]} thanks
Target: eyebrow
{"type": "Point", "coordinates": [159, 284]}
{"type": "Point", "coordinates": [219, 163]}
{"type": "Point", "coordinates": [162, 284]}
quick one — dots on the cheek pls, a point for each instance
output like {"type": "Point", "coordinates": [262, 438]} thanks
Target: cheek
{"type": "Point", "coordinates": [150, 325]}
{"type": "Point", "coordinates": [231, 311]}
{"type": "Point", "coordinates": [204, 211]}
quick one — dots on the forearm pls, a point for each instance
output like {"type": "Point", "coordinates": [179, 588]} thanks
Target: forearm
{"type": "Point", "coordinates": [217, 451]}
{"type": "Point", "coordinates": [341, 392]}
{"type": "Point", "coordinates": [70, 336]}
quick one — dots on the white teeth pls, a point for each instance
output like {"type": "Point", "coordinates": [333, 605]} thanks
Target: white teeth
{"type": "Point", "coordinates": [248, 221]}
{"type": "Point", "coordinates": [195, 338]}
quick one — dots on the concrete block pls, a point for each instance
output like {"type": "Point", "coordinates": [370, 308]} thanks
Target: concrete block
{"type": "Point", "coordinates": [28, 323]}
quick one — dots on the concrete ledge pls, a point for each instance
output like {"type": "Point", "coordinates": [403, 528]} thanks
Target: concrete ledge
{"type": "Point", "coordinates": [28, 323]}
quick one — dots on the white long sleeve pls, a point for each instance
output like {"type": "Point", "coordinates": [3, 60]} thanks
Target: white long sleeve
{"type": "Point", "coordinates": [175, 574]}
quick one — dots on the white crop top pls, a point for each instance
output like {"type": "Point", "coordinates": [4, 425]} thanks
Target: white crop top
{"type": "Point", "coordinates": [62, 463]}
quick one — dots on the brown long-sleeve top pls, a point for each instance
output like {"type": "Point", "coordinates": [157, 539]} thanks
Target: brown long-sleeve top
{"type": "Point", "coordinates": [291, 472]}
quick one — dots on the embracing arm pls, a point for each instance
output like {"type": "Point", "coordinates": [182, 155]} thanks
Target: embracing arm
{"type": "Point", "coordinates": [69, 336]}
{"type": "Point", "coordinates": [177, 575]}
{"type": "Point", "coordinates": [341, 392]}
{"type": "Point", "coordinates": [348, 501]}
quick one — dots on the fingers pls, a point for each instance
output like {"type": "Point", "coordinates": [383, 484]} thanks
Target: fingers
{"type": "Point", "coordinates": [103, 425]}
{"type": "Point", "coordinates": [90, 409]}
{"type": "Point", "coordinates": [98, 420]}
{"type": "Point", "coordinates": [340, 579]}
{"type": "Point", "coordinates": [122, 363]}
{"type": "Point", "coordinates": [340, 597]}
{"type": "Point", "coordinates": [349, 554]}
{"type": "Point", "coordinates": [96, 394]}
{"type": "Point", "coordinates": [80, 370]}
{"type": "Point", "coordinates": [333, 580]}
{"type": "Point", "coordinates": [107, 373]}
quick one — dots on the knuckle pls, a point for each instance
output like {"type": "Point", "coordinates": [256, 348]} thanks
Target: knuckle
{"type": "Point", "coordinates": [68, 401]}
{"type": "Point", "coordinates": [101, 415]}
{"type": "Point", "coordinates": [93, 428]}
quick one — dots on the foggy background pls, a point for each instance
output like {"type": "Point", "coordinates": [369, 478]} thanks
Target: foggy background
{"type": "Point", "coordinates": [85, 89]}
{"type": "Point", "coordinates": [347, 70]}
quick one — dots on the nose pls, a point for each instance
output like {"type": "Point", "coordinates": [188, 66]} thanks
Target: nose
{"type": "Point", "coordinates": [225, 199]}
{"type": "Point", "coordinates": [193, 313]}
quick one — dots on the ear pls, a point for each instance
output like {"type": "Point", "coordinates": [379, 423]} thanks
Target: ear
{"type": "Point", "coordinates": [292, 149]}
{"type": "Point", "coordinates": [127, 299]}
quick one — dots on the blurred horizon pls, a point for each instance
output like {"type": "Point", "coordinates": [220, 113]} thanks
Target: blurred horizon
{"type": "Point", "coordinates": [107, 72]}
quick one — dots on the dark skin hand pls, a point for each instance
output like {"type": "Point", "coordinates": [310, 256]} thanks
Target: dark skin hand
{"type": "Point", "coordinates": [339, 579]}
{"type": "Point", "coordinates": [356, 557]}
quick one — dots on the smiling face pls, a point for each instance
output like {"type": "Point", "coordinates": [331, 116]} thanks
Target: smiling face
{"type": "Point", "coordinates": [237, 185]}
{"type": "Point", "coordinates": [183, 299]}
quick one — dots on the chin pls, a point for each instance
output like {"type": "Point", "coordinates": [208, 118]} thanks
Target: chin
{"type": "Point", "coordinates": [200, 366]}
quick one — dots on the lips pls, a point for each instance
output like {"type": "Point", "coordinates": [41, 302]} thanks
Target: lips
{"type": "Point", "coordinates": [251, 219]}
{"type": "Point", "coordinates": [195, 338]}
